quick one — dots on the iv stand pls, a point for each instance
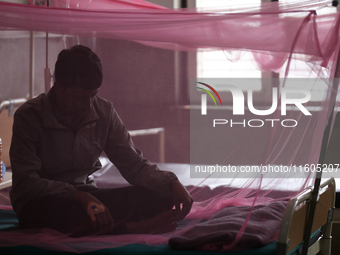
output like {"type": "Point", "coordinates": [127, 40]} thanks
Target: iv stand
{"type": "Point", "coordinates": [47, 70]}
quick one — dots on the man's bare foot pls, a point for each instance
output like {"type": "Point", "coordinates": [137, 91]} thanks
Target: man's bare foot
{"type": "Point", "coordinates": [162, 223]}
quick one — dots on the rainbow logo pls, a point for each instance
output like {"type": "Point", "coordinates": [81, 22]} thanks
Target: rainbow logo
{"type": "Point", "coordinates": [210, 93]}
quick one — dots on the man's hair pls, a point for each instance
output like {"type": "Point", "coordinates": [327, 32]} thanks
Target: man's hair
{"type": "Point", "coordinates": [78, 67]}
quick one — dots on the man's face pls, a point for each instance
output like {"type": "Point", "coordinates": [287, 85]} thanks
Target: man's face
{"type": "Point", "coordinates": [75, 102]}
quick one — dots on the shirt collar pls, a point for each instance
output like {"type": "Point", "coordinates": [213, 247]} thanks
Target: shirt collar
{"type": "Point", "coordinates": [50, 121]}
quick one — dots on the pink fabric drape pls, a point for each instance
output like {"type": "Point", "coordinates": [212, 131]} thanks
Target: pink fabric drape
{"type": "Point", "coordinates": [100, 4]}
{"type": "Point", "coordinates": [187, 29]}
{"type": "Point", "coordinates": [274, 33]}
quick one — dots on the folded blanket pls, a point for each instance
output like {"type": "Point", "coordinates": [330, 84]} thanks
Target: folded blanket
{"type": "Point", "coordinates": [221, 229]}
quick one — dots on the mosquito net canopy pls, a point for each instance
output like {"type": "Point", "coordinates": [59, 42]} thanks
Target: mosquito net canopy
{"type": "Point", "coordinates": [242, 140]}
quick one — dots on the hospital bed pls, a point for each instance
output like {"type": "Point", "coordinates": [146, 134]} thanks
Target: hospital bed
{"type": "Point", "coordinates": [290, 235]}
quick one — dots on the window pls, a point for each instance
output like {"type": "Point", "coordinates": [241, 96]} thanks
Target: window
{"type": "Point", "coordinates": [235, 64]}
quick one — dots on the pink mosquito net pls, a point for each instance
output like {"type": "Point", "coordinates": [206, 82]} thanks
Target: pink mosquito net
{"type": "Point", "coordinates": [140, 43]}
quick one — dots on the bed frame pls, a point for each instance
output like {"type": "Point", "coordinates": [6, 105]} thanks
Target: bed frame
{"type": "Point", "coordinates": [295, 217]}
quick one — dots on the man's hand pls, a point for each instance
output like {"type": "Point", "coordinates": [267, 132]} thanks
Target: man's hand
{"type": "Point", "coordinates": [181, 196]}
{"type": "Point", "coordinates": [99, 214]}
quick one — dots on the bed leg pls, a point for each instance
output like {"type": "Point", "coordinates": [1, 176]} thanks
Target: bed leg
{"type": "Point", "coordinates": [281, 248]}
{"type": "Point", "coordinates": [325, 245]}
{"type": "Point", "coordinates": [326, 240]}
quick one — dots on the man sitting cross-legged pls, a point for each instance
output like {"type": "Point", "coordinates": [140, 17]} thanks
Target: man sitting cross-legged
{"type": "Point", "coordinates": [57, 140]}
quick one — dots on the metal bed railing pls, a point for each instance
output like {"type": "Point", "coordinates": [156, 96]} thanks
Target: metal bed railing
{"type": "Point", "coordinates": [11, 104]}
{"type": "Point", "coordinates": [293, 222]}
{"type": "Point", "coordinates": [153, 131]}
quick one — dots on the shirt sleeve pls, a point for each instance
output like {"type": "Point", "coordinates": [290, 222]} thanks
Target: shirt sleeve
{"type": "Point", "coordinates": [25, 164]}
{"type": "Point", "coordinates": [136, 169]}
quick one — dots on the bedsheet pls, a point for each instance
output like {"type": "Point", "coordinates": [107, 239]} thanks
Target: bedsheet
{"type": "Point", "coordinates": [9, 222]}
